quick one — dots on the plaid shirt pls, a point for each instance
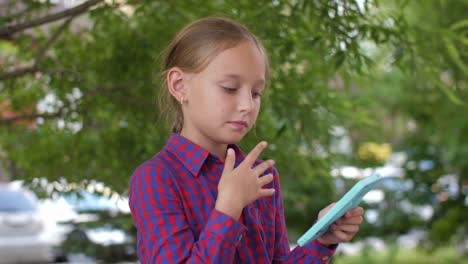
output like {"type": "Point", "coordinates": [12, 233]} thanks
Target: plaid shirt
{"type": "Point", "coordinates": [172, 199]}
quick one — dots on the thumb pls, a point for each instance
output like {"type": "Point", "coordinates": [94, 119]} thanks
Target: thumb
{"type": "Point", "coordinates": [230, 160]}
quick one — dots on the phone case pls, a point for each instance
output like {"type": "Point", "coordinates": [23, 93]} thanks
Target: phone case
{"type": "Point", "coordinates": [350, 200]}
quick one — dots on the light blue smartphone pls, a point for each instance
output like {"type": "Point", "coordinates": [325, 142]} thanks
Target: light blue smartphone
{"type": "Point", "coordinates": [349, 201]}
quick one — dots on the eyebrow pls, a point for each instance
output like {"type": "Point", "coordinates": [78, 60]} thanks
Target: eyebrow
{"type": "Point", "coordinates": [238, 77]}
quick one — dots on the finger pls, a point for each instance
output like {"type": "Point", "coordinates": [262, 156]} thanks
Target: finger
{"type": "Point", "coordinates": [342, 236]}
{"type": "Point", "coordinates": [355, 220]}
{"type": "Point", "coordinates": [356, 211]}
{"type": "Point", "coordinates": [230, 160]}
{"type": "Point", "coordinates": [265, 192]}
{"type": "Point", "coordinates": [262, 167]}
{"type": "Point", "coordinates": [255, 153]}
{"type": "Point", "coordinates": [348, 228]}
{"type": "Point", "coordinates": [265, 179]}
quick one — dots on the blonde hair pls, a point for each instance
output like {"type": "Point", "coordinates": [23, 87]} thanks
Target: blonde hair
{"type": "Point", "coordinates": [193, 48]}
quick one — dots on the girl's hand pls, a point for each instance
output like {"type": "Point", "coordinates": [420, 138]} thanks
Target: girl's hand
{"type": "Point", "coordinates": [240, 186]}
{"type": "Point", "coordinates": [344, 229]}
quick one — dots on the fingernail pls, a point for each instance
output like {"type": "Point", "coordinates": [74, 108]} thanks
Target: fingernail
{"type": "Point", "coordinates": [229, 151]}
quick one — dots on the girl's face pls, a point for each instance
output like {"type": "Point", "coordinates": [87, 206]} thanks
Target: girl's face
{"type": "Point", "coordinates": [223, 100]}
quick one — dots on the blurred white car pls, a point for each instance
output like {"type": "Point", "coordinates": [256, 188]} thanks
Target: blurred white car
{"type": "Point", "coordinates": [21, 228]}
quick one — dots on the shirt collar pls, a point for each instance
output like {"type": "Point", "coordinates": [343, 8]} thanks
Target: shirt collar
{"type": "Point", "coordinates": [193, 156]}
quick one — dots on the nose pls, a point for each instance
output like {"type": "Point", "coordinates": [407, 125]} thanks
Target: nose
{"type": "Point", "coordinates": [246, 101]}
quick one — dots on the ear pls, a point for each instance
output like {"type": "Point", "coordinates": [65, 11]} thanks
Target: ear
{"type": "Point", "coordinates": [176, 84]}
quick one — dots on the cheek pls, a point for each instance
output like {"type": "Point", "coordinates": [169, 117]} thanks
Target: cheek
{"type": "Point", "coordinates": [254, 113]}
{"type": "Point", "coordinates": [257, 105]}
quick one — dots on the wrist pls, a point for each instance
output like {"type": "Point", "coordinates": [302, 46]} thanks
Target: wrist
{"type": "Point", "coordinates": [229, 208]}
{"type": "Point", "coordinates": [323, 244]}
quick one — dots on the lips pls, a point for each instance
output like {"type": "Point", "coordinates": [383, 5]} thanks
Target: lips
{"type": "Point", "coordinates": [239, 123]}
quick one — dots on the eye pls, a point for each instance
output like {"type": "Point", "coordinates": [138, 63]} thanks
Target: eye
{"type": "Point", "coordinates": [229, 89]}
{"type": "Point", "coordinates": [256, 94]}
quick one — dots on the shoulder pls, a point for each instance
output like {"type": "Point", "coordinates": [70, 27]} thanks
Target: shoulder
{"type": "Point", "coordinates": [151, 185]}
{"type": "Point", "coordinates": [154, 169]}
{"type": "Point", "coordinates": [152, 181]}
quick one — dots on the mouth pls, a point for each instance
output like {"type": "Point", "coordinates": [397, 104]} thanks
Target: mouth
{"type": "Point", "coordinates": [238, 124]}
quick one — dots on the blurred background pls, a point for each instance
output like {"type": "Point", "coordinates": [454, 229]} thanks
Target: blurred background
{"type": "Point", "coordinates": [356, 87]}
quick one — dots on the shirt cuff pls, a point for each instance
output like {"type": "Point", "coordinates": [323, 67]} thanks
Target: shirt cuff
{"type": "Point", "coordinates": [320, 251]}
{"type": "Point", "coordinates": [220, 224]}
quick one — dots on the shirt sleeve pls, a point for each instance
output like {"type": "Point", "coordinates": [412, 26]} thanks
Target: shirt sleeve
{"type": "Point", "coordinates": [313, 252]}
{"type": "Point", "coordinates": [163, 233]}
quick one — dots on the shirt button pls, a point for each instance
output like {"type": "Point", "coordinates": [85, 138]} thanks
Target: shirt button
{"type": "Point", "coordinates": [240, 238]}
{"type": "Point", "coordinates": [325, 258]}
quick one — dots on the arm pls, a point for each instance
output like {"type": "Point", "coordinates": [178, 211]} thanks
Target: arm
{"type": "Point", "coordinates": [164, 235]}
{"type": "Point", "coordinates": [313, 252]}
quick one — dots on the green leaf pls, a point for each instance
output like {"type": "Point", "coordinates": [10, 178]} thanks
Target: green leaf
{"type": "Point", "coordinates": [454, 55]}
{"type": "Point", "coordinates": [451, 95]}
{"type": "Point", "coordinates": [460, 24]}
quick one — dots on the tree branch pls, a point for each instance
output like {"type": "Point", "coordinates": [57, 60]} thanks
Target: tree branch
{"type": "Point", "coordinates": [18, 72]}
{"type": "Point", "coordinates": [6, 32]}
{"type": "Point", "coordinates": [39, 56]}
{"type": "Point", "coordinates": [63, 110]}
{"type": "Point", "coordinates": [41, 53]}
{"type": "Point", "coordinates": [27, 117]}
{"type": "Point", "coordinates": [9, 18]}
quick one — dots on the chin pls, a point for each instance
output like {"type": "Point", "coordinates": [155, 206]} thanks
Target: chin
{"type": "Point", "coordinates": [229, 136]}
{"type": "Point", "coordinates": [233, 139]}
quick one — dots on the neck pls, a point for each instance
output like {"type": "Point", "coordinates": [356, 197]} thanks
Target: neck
{"type": "Point", "coordinates": [214, 148]}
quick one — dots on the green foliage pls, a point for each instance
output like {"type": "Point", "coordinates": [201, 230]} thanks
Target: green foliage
{"type": "Point", "coordinates": [405, 256]}
{"type": "Point", "coordinates": [423, 102]}
{"type": "Point", "coordinates": [371, 67]}
{"type": "Point", "coordinates": [112, 66]}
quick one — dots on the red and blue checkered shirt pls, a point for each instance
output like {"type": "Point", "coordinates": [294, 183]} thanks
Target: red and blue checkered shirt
{"type": "Point", "coordinates": [172, 199]}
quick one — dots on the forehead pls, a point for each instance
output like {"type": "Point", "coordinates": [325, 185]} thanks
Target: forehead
{"type": "Point", "coordinates": [245, 61]}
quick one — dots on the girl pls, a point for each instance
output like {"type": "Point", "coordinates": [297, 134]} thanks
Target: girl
{"type": "Point", "coordinates": [200, 199]}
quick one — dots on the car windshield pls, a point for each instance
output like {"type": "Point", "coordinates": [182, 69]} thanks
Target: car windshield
{"type": "Point", "coordinates": [15, 201]}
